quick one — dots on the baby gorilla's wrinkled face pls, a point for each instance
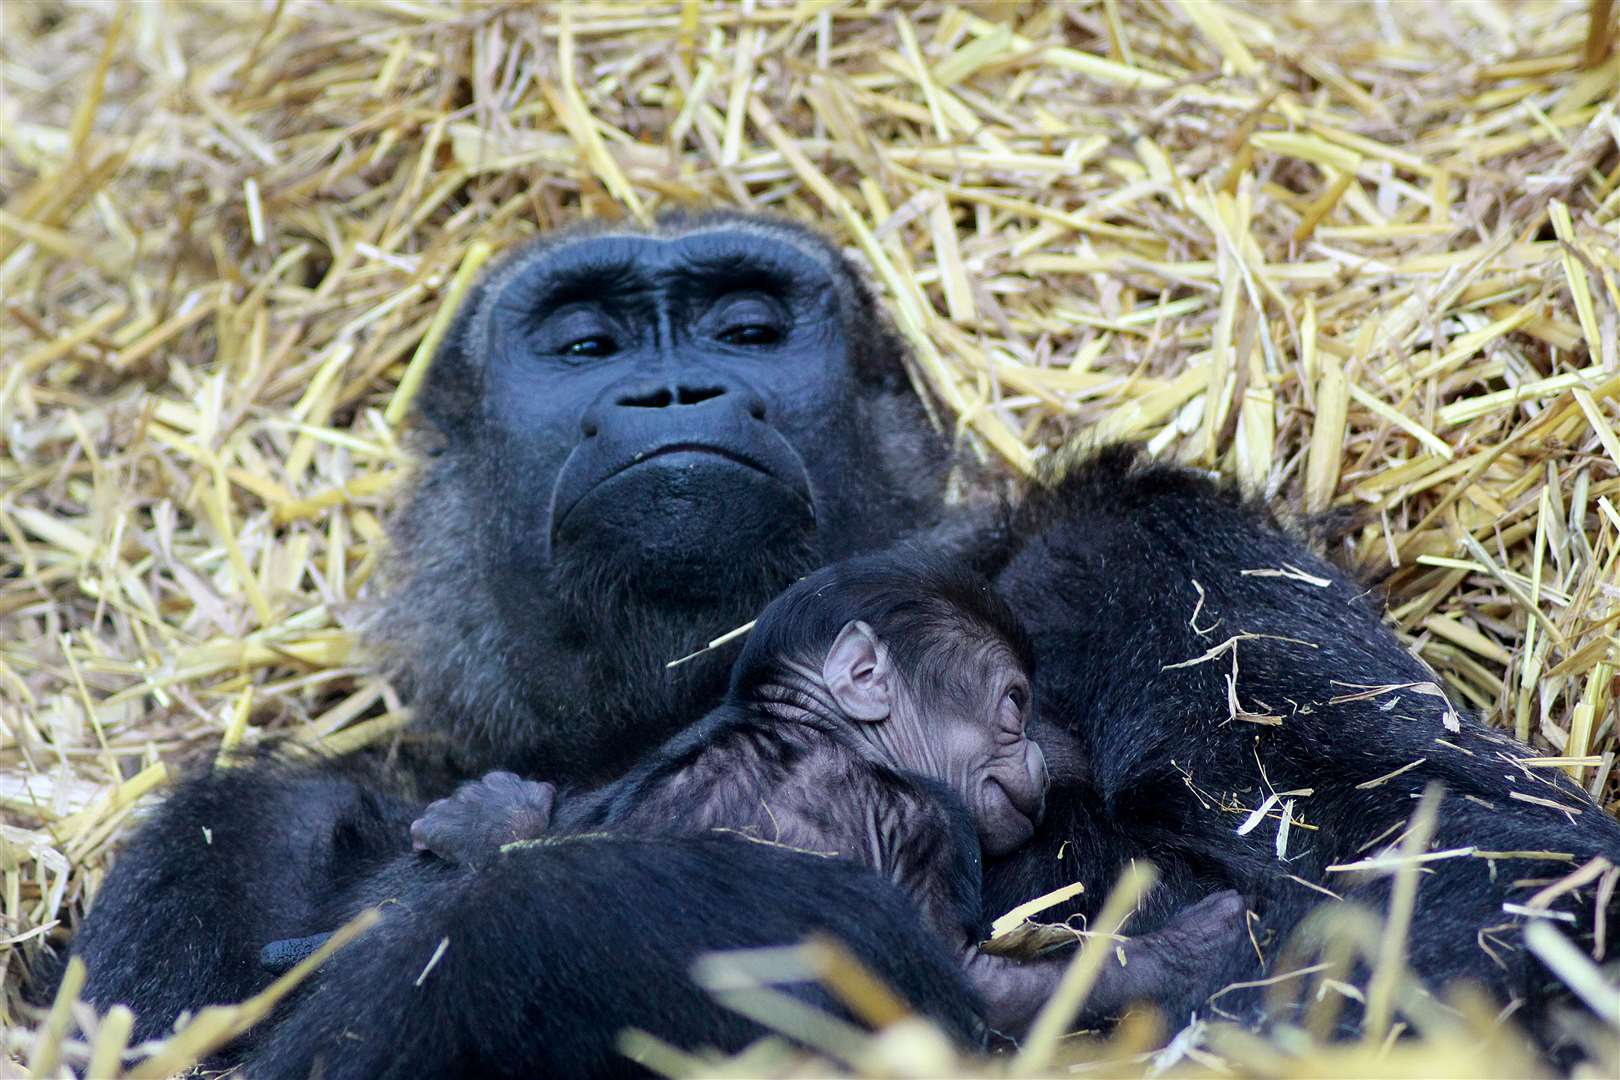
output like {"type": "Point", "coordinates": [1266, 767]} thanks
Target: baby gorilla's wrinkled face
{"type": "Point", "coordinates": [989, 759]}
{"type": "Point", "coordinates": [958, 719]}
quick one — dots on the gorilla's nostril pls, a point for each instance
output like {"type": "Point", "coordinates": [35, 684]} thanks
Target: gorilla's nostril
{"type": "Point", "coordinates": [589, 428]}
{"type": "Point", "coordinates": [692, 395]}
{"type": "Point", "coordinates": [656, 399]}
{"type": "Point", "coordinates": [756, 409]}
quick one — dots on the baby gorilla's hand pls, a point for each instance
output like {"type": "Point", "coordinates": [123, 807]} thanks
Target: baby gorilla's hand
{"type": "Point", "coordinates": [1188, 953]}
{"type": "Point", "coordinates": [470, 826]}
{"type": "Point", "coordinates": [1186, 950]}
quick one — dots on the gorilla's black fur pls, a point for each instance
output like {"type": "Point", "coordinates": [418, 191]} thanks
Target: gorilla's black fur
{"type": "Point", "coordinates": [553, 950]}
{"type": "Point", "coordinates": [1193, 659]}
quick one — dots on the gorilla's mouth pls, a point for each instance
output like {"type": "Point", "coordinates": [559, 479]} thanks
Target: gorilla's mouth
{"type": "Point", "coordinates": [1000, 832]}
{"type": "Point", "coordinates": [675, 456]}
{"type": "Point", "coordinates": [1030, 804]}
{"type": "Point", "coordinates": [696, 449]}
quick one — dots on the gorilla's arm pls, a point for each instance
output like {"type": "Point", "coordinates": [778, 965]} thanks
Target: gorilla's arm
{"type": "Point", "coordinates": [232, 859]}
{"type": "Point", "coordinates": [1198, 660]}
{"type": "Point", "coordinates": [535, 963]}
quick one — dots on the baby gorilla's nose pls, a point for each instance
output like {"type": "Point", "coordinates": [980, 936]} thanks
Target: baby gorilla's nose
{"type": "Point", "coordinates": [1035, 762]}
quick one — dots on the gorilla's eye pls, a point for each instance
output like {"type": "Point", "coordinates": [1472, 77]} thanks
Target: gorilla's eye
{"type": "Point", "coordinates": [745, 319]}
{"type": "Point", "coordinates": [751, 334]}
{"type": "Point", "coordinates": [1017, 697]}
{"type": "Point", "coordinates": [579, 331]}
{"type": "Point", "coordinates": [596, 345]}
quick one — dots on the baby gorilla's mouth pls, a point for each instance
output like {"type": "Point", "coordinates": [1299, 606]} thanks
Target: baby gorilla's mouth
{"type": "Point", "coordinates": [1005, 822]}
{"type": "Point", "coordinates": [1028, 802]}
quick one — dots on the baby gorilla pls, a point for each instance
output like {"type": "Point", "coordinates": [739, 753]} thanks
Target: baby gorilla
{"type": "Point", "coordinates": [876, 714]}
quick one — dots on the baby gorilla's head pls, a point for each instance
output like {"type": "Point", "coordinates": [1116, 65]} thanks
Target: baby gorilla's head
{"type": "Point", "coordinates": [924, 664]}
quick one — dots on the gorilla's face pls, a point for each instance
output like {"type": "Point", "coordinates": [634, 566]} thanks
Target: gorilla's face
{"type": "Point", "coordinates": [639, 438]}
{"type": "Point", "coordinates": [661, 413]}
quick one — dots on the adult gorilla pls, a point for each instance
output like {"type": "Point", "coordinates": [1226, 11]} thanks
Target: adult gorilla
{"type": "Point", "coordinates": [633, 440]}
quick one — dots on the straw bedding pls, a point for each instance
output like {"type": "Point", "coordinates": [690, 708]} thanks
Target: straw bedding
{"type": "Point", "coordinates": [1357, 255]}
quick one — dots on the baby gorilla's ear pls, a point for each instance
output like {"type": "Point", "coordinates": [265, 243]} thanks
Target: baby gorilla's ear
{"type": "Point", "coordinates": [859, 674]}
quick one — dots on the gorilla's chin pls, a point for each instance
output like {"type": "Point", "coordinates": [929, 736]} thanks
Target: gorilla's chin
{"type": "Point", "coordinates": [672, 527]}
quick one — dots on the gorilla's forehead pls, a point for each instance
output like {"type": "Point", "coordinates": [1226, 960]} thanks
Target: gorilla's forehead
{"type": "Point", "coordinates": [733, 250]}
{"type": "Point", "coordinates": [699, 247]}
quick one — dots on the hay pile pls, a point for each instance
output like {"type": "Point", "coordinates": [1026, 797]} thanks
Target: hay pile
{"type": "Point", "coordinates": [1358, 255]}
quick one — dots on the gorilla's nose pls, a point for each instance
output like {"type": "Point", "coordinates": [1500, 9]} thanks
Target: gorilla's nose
{"type": "Point", "coordinates": [663, 397]}
{"type": "Point", "coordinates": [719, 405]}
{"type": "Point", "coordinates": [1036, 762]}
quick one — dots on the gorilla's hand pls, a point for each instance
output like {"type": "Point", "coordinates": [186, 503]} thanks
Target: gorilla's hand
{"type": "Point", "coordinates": [1193, 944]}
{"type": "Point", "coordinates": [470, 826]}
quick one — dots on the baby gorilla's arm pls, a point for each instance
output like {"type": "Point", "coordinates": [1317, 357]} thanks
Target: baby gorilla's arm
{"type": "Point", "coordinates": [1156, 966]}
{"type": "Point", "coordinates": [927, 847]}
{"type": "Point", "coordinates": [470, 826]}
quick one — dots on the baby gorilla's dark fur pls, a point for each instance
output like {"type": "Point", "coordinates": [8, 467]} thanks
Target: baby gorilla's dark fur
{"type": "Point", "coordinates": [877, 715]}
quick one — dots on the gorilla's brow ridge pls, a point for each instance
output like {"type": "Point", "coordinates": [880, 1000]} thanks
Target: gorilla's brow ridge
{"type": "Point", "coordinates": [707, 275]}
{"type": "Point", "coordinates": [599, 278]}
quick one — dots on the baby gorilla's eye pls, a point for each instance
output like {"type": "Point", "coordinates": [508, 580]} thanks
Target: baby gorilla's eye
{"type": "Point", "coordinates": [1012, 712]}
{"type": "Point", "coordinates": [751, 334]}
{"type": "Point", "coordinates": [595, 345]}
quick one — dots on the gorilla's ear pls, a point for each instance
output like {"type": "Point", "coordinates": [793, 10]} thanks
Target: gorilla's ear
{"type": "Point", "coordinates": [860, 674]}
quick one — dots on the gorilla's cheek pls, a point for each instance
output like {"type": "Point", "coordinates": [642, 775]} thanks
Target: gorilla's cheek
{"type": "Point", "coordinates": [695, 511]}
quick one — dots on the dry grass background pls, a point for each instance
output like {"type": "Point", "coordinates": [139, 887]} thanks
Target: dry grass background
{"type": "Point", "coordinates": [1361, 255]}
